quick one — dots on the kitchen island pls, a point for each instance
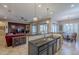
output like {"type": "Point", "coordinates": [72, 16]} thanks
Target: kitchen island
{"type": "Point", "coordinates": [44, 46]}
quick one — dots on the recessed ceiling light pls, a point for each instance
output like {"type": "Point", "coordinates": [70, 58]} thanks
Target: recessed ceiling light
{"type": "Point", "coordinates": [5, 6]}
{"type": "Point", "coordinates": [40, 5]}
{"type": "Point", "coordinates": [72, 6]}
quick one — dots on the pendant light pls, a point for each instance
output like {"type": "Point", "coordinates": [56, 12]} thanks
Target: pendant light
{"type": "Point", "coordinates": [47, 9]}
{"type": "Point", "coordinates": [35, 13]}
{"type": "Point", "coordinates": [47, 17]}
{"type": "Point", "coordinates": [48, 21]}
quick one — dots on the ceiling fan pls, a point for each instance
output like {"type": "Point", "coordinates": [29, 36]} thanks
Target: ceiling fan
{"type": "Point", "coordinates": [22, 18]}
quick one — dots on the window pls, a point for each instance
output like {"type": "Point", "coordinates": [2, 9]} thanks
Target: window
{"type": "Point", "coordinates": [70, 28]}
{"type": "Point", "coordinates": [43, 28]}
{"type": "Point", "coordinates": [34, 29]}
{"type": "Point", "coordinates": [75, 28]}
{"type": "Point", "coordinates": [54, 28]}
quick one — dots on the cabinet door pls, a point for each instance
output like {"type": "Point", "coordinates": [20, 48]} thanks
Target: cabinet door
{"type": "Point", "coordinates": [55, 47]}
{"type": "Point", "coordinates": [58, 44]}
{"type": "Point", "coordinates": [51, 49]}
{"type": "Point", "coordinates": [32, 50]}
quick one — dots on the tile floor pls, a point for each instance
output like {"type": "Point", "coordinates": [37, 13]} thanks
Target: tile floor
{"type": "Point", "coordinates": [68, 48]}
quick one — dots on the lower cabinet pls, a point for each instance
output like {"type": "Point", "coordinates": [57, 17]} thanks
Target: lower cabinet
{"type": "Point", "coordinates": [52, 47]}
{"type": "Point", "coordinates": [51, 50]}
{"type": "Point", "coordinates": [32, 49]}
{"type": "Point", "coordinates": [58, 44]}
{"type": "Point", "coordinates": [55, 47]}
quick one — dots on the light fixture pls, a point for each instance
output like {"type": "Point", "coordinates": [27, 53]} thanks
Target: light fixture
{"type": "Point", "coordinates": [72, 5]}
{"type": "Point", "coordinates": [35, 17]}
{"type": "Point", "coordinates": [47, 21]}
{"type": "Point", "coordinates": [47, 11]}
{"type": "Point", "coordinates": [39, 5]}
{"type": "Point", "coordinates": [5, 6]}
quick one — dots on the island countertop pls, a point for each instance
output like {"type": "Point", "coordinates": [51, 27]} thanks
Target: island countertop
{"type": "Point", "coordinates": [42, 41]}
{"type": "Point", "coordinates": [44, 46]}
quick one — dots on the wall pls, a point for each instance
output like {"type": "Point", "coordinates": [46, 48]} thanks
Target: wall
{"type": "Point", "coordinates": [3, 31]}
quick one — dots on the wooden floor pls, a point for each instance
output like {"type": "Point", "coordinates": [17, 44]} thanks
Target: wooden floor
{"type": "Point", "coordinates": [19, 50]}
{"type": "Point", "coordinates": [68, 48]}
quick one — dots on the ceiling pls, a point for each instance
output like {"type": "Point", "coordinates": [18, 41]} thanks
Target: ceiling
{"type": "Point", "coordinates": [26, 11]}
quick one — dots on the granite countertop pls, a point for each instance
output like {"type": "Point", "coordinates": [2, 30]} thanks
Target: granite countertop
{"type": "Point", "coordinates": [42, 41]}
